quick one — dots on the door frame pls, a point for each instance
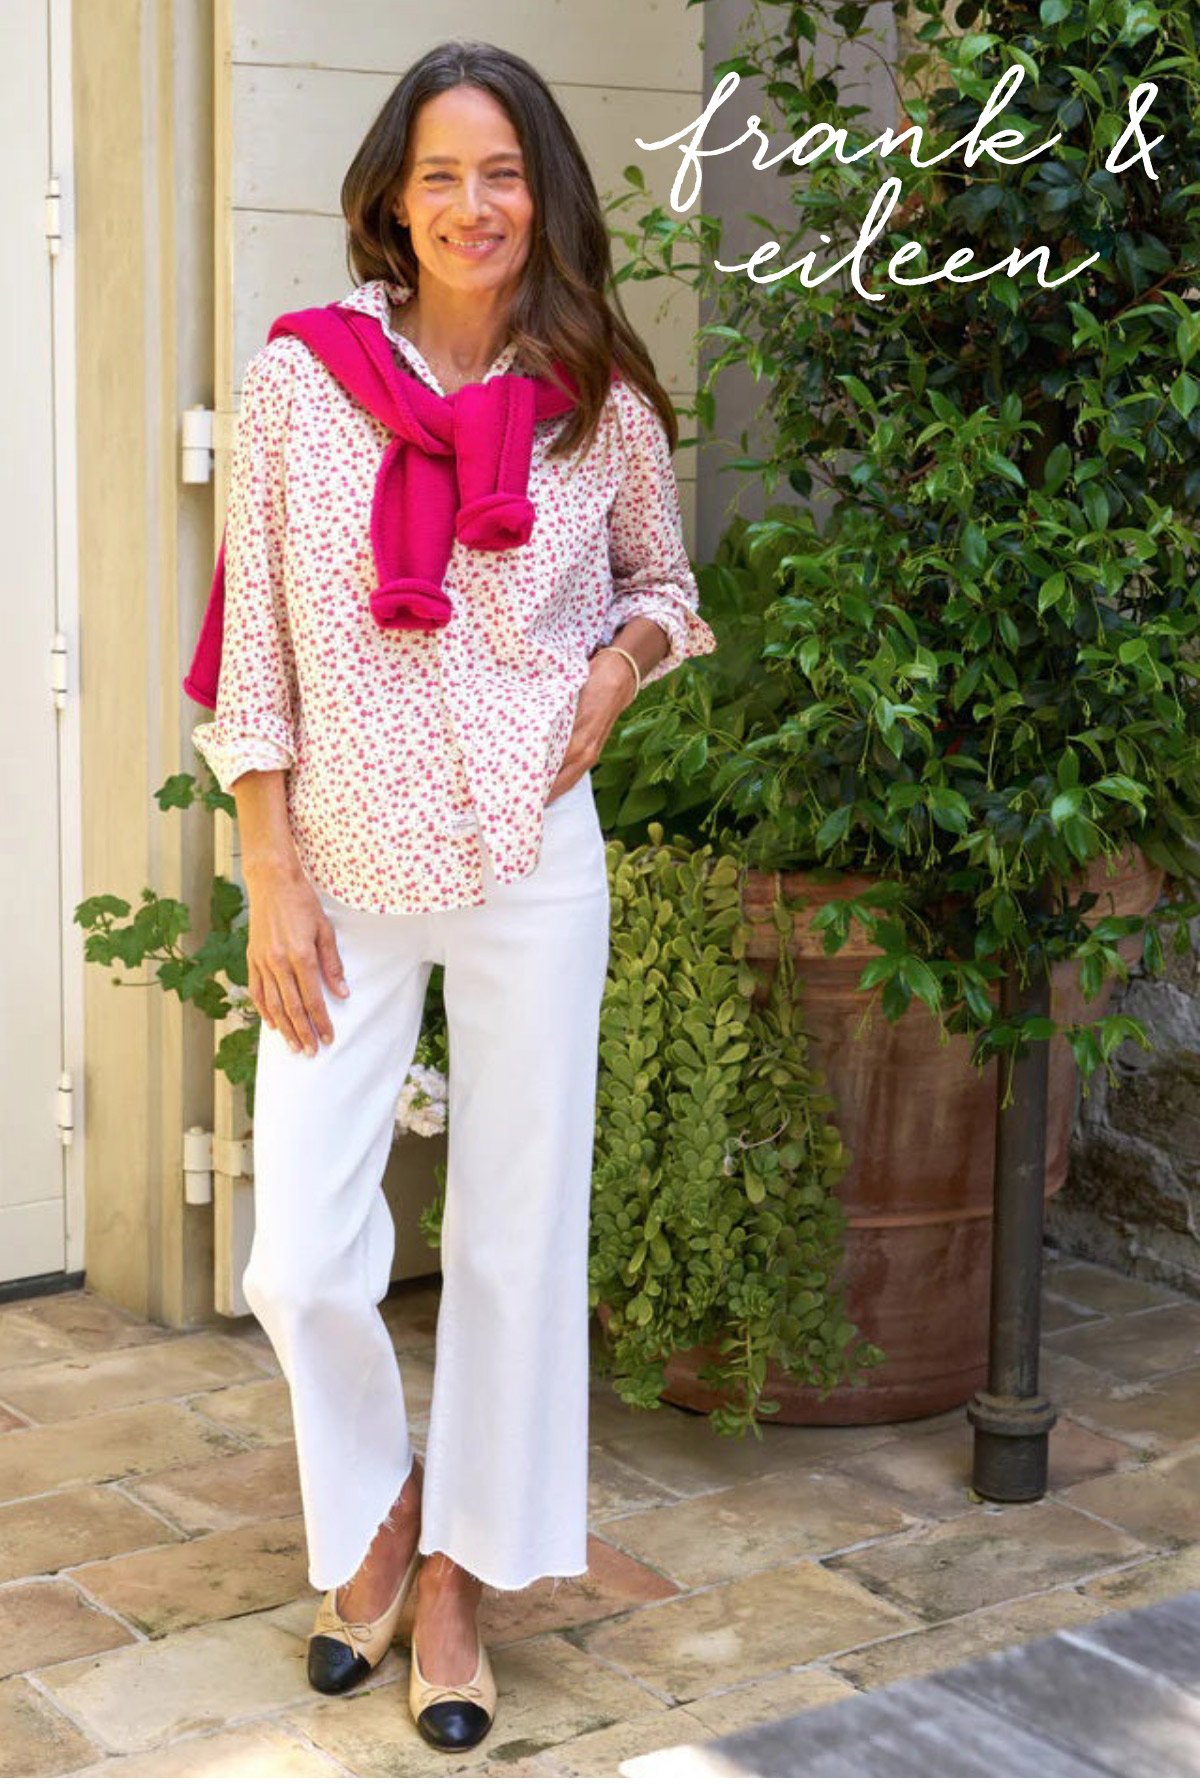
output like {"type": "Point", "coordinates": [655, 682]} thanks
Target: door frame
{"type": "Point", "coordinates": [66, 548]}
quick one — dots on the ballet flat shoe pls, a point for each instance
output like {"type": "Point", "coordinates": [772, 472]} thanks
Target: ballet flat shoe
{"type": "Point", "coordinates": [341, 1653]}
{"type": "Point", "coordinates": [451, 1717]}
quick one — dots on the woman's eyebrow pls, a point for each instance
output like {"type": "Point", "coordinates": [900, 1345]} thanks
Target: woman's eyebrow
{"type": "Point", "coordinates": [500, 155]}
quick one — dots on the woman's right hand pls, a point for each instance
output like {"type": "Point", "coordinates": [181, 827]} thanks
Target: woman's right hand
{"type": "Point", "coordinates": [291, 944]}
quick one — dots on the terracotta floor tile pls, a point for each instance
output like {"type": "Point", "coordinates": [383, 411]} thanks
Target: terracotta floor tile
{"type": "Point", "coordinates": [966, 1637]}
{"type": "Point", "coordinates": [758, 1524]}
{"type": "Point", "coordinates": [737, 1633]}
{"type": "Point", "coordinates": [258, 1411]}
{"type": "Point", "coordinates": [547, 1692]}
{"type": "Point", "coordinates": [79, 1386]}
{"type": "Point", "coordinates": [134, 1440]}
{"type": "Point", "coordinates": [56, 1530]}
{"type": "Point", "coordinates": [205, 1580]}
{"type": "Point", "coordinates": [192, 1682]}
{"type": "Point", "coordinates": [243, 1487]}
{"type": "Point", "coordinates": [1137, 1345]}
{"type": "Point", "coordinates": [45, 1621]}
{"type": "Point", "coordinates": [986, 1557]}
{"type": "Point", "coordinates": [36, 1741]}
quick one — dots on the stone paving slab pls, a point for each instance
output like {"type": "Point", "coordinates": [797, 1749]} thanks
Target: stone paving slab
{"type": "Point", "coordinates": [737, 1632]}
{"type": "Point", "coordinates": [1160, 1503]}
{"type": "Point", "coordinates": [547, 1692]}
{"type": "Point", "coordinates": [50, 1620]}
{"type": "Point", "coordinates": [257, 1412]}
{"type": "Point", "coordinates": [36, 1740]}
{"type": "Point", "coordinates": [191, 1682]}
{"type": "Point", "coordinates": [110, 1446]}
{"type": "Point", "coordinates": [757, 1524]}
{"type": "Point", "coordinates": [1101, 1290]}
{"type": "Point", "coordinates": [1156, 1416]}
{"type": "Point", "coordinates": [964, 1638]}
{"type": "Point", "coordinates": [74, 1387]}
{"type": "Point", "coordinates": [84, 1321]}
{"type": "Point", "coordinates": [203, 1581]}
{"type": "Point", "coordinates": [25, 1340]}
{"type": "Point", "coordinates": [1131, 1587]}
{"type": "Point", "coordinates": [255, 1750]}
{"type": "Point", "coordinates": [987, 1556]}
{"type": "Point", "coordinates": [1136, 1346]}
{"type": "Point", "coordinates": [56, 1530]}
{"type": "Point", "coordinates": [246, 1486]}
{"type": "Point", "coordinates": [731, 1583]}
{"type": "Point", "coordinates": [1088, 1702]}
{"type": "Point", "coordinates": [929, 1474]}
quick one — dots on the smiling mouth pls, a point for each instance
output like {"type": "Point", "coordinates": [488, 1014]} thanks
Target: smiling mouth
{"type": "Point", "coordinates": [482, 241]}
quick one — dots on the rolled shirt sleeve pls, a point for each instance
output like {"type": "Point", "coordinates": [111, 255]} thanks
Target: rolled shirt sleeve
{"type": "Point", "coordinates": [651, 575]}
{"type": "Point", "coordinates": [253, 725]}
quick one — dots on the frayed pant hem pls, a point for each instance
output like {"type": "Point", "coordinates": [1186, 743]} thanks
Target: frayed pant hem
{"type": "Point", "coordinates": [498, 1585]}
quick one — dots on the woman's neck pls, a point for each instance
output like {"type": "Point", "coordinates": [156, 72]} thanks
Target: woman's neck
{"type": "Point", "coordinates": [457, 340]}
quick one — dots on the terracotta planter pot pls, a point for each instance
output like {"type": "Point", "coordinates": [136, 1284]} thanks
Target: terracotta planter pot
{"type": "Point", "coordinates": [920, 1124]}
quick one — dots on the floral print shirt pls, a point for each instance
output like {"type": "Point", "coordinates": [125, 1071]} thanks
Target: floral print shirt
{"type": "Point", "coordinates": [407, 753]}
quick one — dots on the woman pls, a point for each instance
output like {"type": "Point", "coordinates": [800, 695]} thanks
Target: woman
{"type": "Point", "coordinates": [416, 789]}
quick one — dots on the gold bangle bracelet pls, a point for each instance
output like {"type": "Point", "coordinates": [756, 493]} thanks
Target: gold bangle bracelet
{"type": "Point", "coordinates": [630, 659]}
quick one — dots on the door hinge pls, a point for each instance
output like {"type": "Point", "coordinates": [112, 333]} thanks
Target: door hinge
{"type": "Point", "coordinates": [197, 444]}
{"type": "Point", "coordinates": [203, 1154]}
{"type": "Point", "coordinates": [66, 1109]}
{"type": "Point", "coordinates": [58, 670]}
{"type": "Point", "coordinates": [197, 1165]}
{"type": "Point", "coordinates": [53, 214]}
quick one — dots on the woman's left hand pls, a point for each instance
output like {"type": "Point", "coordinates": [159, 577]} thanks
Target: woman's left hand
{"type": "Point", "coordinates": [605, 694]}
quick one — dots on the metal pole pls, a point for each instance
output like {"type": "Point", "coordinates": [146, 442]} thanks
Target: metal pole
{"type": "Point", "coordinates": [1012, 1419]}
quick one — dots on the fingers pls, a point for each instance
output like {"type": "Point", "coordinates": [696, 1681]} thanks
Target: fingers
{"type": "Point", "coordinates": [285, 985]}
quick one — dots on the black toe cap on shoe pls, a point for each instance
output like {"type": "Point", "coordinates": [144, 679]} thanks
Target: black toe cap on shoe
{"type": "Point", "coordinates": [451, 1725]}
{"type": "Point", "coordinates": [333, 1666]}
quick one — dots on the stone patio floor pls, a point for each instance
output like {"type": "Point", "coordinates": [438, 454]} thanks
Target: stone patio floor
{"type": "Point", "coordinates": [156, 1603]}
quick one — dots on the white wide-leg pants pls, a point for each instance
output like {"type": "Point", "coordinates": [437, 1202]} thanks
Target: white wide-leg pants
{"type": "Point", "coordinates": [505, 1492]}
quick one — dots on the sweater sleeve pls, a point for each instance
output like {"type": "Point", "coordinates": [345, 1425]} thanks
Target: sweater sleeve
{"type": "Point", "coordinates": [651, 575]}
{"type": "Point", "coordinates": [253, 725]}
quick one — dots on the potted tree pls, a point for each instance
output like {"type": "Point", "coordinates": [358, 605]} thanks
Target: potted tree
{"type": "Point", "coordinates": [969, 734]}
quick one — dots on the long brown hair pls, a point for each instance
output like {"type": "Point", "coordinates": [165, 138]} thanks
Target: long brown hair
{"type": "Point", "coordinates": [566, 306]}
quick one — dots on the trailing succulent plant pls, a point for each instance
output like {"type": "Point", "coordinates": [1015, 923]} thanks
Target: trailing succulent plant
{"type": "Point", "coordinates": [714, 1216]}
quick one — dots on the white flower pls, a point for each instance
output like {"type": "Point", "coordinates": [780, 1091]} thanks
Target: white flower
{"type": "Point", "coordinates": [421, 1107]}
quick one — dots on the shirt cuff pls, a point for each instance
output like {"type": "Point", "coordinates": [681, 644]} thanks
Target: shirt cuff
{"type": "Point", "coordinates": [688, 634]}
{"type": "Point", "coordinates": [231, 751]}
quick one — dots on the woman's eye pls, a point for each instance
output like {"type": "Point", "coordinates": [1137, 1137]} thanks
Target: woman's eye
{"type": "Point", "coordinates": [504, 173]}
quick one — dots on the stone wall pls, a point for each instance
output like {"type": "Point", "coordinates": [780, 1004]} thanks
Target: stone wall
{"type": "Point", "coordinates": [1132, 1194]}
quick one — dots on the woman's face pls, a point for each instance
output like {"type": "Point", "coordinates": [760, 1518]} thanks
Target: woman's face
{"type": "Point", "coordinates": [466, 182]}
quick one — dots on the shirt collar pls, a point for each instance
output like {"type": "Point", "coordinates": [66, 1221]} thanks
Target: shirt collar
{"type": "Point", "coordinates": [372, 299]}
